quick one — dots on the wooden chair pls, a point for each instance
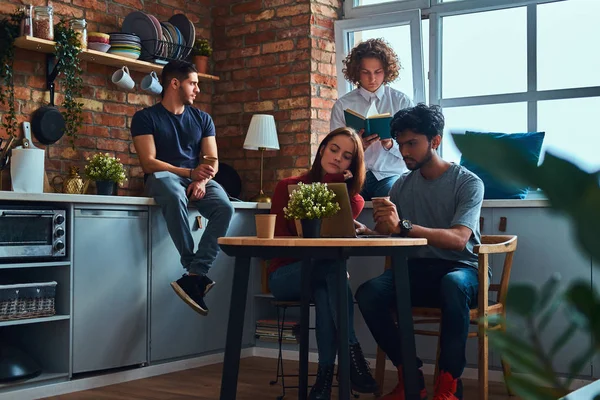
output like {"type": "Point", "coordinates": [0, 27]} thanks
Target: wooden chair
{"type": "Point", "coordinates": [490, 244]}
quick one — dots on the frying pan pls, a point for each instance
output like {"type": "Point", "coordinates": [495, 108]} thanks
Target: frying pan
{"type": "Point", "coordinates": [47, 123]}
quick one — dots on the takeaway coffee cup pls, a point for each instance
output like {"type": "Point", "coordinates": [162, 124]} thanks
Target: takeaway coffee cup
{"type": "Point", "coordinates": [122, 79]}
{"type": "Point", "coordinates": [210, 160]}
{"type": "Point", "coordinates": [265, 225]}
{"type": "Point", "coordinates": [151, 84]}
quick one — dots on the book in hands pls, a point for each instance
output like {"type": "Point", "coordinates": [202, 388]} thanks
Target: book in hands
{"type": "Point", "coordinates": [377, 124]}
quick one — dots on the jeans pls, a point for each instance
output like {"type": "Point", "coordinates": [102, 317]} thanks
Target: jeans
{"type": "Point", "coordinates": [437, 283]}
{"type": "Point", "coordinates": [285, 284]}
{"type": "Point", "coordinates": [375, 188]}
{"type": "Point", "coordinates": [169, 192]}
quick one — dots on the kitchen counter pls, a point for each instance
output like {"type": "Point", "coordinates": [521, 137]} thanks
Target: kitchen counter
{"type": "Point", "coordinates": [95, 199]}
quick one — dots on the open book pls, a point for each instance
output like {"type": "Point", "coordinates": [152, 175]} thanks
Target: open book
{"type": "Point", "coordinates": [372, 122]}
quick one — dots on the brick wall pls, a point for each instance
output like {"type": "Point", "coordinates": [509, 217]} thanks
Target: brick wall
{"type": "Point", "coordinates": [274, 57]}
{"type": "Point", "coordinates": [107, 109]}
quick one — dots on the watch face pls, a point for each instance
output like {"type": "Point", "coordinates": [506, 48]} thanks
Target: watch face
{"type": "Point", "coordinates": [406, 224]}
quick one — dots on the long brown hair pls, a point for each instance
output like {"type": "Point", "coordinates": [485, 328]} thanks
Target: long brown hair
{"type": "Point", "coordinates": [357, 166]}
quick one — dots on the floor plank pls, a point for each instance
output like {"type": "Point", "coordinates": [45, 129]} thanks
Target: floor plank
{"type": "Point", "coordinates": [255, 374]}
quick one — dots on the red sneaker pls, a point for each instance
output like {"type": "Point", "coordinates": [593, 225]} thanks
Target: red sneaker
{"type": "Point", "coordinates": [398, 392]}
{"type": "Point", "coordinates": [447, 387]}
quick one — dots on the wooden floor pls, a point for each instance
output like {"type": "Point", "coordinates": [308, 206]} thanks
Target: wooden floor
{"type": "Point", "coordinates": [253, 384]}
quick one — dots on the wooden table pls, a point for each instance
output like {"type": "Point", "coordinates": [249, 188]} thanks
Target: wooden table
{"type": "Point", "coordinates": [244, 248]}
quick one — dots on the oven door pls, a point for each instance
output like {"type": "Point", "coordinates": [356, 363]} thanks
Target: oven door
{"type": "Point", "coordinates": [26, 233]}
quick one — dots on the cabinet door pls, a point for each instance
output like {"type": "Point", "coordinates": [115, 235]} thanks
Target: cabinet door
{"type": "Point", "coordinates": [176, 330]}
{"type": "Point", "coordinates": [546, 245]}
{"type": "Point", "coordinates": [596, 285]}
{"type": "Point", "coordinates": [110, 289]}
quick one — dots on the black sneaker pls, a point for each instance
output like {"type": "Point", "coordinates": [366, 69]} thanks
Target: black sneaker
{"type": "Point", "coordinates": [360, 372]}
{"type": "Point", "coordinates": [191, 289]}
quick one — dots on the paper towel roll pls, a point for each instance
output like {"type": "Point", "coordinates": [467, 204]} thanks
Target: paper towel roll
{"type": "Point", "coordinates": [27, 170]}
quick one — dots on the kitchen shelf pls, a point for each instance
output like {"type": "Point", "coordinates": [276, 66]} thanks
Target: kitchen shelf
{"type": "Point", "coordinates": [49, 264]}
{"type": "Point", "coordinates": [47, 46]}
{"type": "Point", "coordinates": [34, 320]}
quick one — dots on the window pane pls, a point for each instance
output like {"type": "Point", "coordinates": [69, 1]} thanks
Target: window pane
{"type": "Point", "coordinates": [484, 53]}
{"type": "Point", "coordinates": [566, 34]}
{"type": "Point", "coordinates": [399, 39]}
{"type": "Point", "coordinates": [569, 131]}
{"type": "Point", "coordinates": [507, 118]}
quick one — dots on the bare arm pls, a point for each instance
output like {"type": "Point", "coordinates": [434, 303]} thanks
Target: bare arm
{"type": "Point", "coordinates": [146, 150]}
{"type": "Point", "coordinates": [209, 148]}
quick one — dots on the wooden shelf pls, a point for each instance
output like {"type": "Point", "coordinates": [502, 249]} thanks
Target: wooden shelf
{"type": "Point", "coordinates": [34, 320]}
{"type": "Point", "coordinates": [47, 46]}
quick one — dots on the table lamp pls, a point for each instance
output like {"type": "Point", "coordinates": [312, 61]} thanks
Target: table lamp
{"type": "Point", "coordinates": [262, 135]}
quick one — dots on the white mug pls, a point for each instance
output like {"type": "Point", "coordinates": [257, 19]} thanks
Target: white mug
{"type": "Point", "coordinates": [151, 84]}
{"type": "Point", "coordinates": [122, 79]}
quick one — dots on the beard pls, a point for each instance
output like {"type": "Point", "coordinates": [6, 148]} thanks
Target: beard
{"type": "Point", "coordinates": [419, 164]}
{"type": "Point", "coordinates": [185, 100]}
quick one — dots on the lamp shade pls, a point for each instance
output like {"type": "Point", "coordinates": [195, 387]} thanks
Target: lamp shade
{"type": "Point", "coordinates": [261, 133]}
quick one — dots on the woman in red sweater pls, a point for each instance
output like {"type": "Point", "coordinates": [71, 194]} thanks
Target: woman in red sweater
{"type": "Point", "coordinates": [340, 158]}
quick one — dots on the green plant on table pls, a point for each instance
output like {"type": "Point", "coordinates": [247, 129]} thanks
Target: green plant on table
{"type": "Point", "coordinates": [104, 167]}
{"type": "Point", "coordinates": [311, 201]}
{"type": "Point", "coordinates": [576, 194]}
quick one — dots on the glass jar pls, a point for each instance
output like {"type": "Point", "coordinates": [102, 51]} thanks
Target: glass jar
{"type": "Point", "coordinates": [26, 23]}
{"type": "Point", "coordinates": [43, 22]}
{"type": "Point", "coordinates": [79, 26]}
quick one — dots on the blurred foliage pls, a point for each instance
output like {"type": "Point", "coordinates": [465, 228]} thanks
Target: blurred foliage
{"type": "Point", "coordinates": [576, 194]}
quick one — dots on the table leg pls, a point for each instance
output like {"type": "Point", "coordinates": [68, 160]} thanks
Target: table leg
{"type": "Point", "coordinates": [304, 322]}
{"type": "Point", "coordinates": [235, 328]}
{"type": "Point", "coordinates": [405, 327]}
{"type": "Point", "coordinates": [343, 348]}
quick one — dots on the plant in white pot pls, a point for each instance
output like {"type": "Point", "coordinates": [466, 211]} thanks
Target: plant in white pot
{"type": "Point", "coordinates": [310, 203]}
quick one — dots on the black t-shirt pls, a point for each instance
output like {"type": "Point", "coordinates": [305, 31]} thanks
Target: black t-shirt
{"type": "Point", "coordinates": [177, 137]}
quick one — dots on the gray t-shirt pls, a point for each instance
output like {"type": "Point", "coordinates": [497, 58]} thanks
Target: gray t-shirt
{"type": "Point", "coordinates": [454, 198]}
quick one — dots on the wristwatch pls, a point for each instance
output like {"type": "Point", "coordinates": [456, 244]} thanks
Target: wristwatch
{"type": "Point", "coordinates": [405, 227]}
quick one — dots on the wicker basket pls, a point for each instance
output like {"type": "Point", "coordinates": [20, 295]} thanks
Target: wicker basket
{"type": "Point", "coordinates": [27, 300]}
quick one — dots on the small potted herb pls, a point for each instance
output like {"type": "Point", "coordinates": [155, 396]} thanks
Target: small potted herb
{"type": "Point", "coordinates": [200, 53]}
{"type": "Point", "coordinates": [106, 171]}
{"type": "Point", "coordinates": [310, 203]}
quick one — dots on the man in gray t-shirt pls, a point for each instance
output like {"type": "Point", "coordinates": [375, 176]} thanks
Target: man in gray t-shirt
{"type": "Point", "coordinates": [441, 202]}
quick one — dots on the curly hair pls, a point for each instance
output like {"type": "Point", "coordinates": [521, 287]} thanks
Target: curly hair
{"type": "Point", "coordinates": [421, 119]}
{"type": "Point", "coordinates": [372, 48]}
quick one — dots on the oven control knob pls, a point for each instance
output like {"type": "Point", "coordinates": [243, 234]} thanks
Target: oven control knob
{"type": "Point", "coordinates": [59, 232]}
{"type": "Point", "coordinates": [59, 245]}
{"type": "Point", "coordinates": [59, 219]}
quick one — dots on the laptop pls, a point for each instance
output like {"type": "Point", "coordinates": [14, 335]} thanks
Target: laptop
{"type": "Point", "coordinates": [341, 225]}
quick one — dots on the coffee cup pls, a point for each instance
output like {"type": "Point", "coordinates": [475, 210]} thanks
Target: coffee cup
{"type": "Point", "coordinates": [122, 79]}
{"type": "Point", "coordinates": [265, 225]}
{"type": "Point", "coordinates": [151, 84]}
{"type": "Point", "coordinates": [378, 201]}
{"type": "Point", "coordinates": [210, 160]}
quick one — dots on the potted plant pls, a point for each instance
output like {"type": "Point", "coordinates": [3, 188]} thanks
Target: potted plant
{"type": "Point", "coordinates": [9, 31]}
{"type": "Point", "coordinates": [200, 53]}
{"type": "Point", "coordinates": [106, 171]}
{"type": "Point", "coordinates": [310, 203]}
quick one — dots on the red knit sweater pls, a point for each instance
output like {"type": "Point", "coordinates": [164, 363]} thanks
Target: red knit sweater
{"type": "Point", "coordinates": [287, 227]}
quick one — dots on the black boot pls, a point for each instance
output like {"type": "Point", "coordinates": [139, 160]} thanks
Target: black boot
{"type": "Point", "coordinates": [360, 372]}
{"type": "Point", "coordinates": [321, 390]}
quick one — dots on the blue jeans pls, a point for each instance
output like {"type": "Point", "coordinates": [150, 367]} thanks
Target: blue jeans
{"type": "Point", "coordinates": [285, 284]}
{"type": "Point", "coordinates": [448, 285]}
{"type": "Point", "coordinates": [169, 192]}
{"type": "Point", "coordinates": [375, 188]}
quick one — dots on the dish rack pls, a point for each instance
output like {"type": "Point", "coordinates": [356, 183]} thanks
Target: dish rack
{"type": "Point", "coordinates": [163, 51]}
{"type": "Point", "coordinates": [27, 300]}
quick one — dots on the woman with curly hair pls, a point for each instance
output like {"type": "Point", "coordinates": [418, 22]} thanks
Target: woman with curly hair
{"type": "Point", "coordinates": [371, 66]}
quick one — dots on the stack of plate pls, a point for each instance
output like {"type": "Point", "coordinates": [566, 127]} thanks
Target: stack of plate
{"type": "Point", "coordinates": [126, 45]}
{"type": "Point", "coordinates": [98, 41]}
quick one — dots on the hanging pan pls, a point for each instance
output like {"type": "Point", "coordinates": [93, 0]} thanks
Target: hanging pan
{"type": "Point", "coordinates": [47, 123]}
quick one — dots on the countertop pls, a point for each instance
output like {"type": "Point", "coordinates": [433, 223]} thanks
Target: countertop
{"type": "Point", "coordinates": [147, 201]}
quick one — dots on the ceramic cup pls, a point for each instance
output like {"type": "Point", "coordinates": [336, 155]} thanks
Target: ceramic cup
{"type": "Point", "coordinates": [265, 225]}
{"type": "Point", "coordinates": [151, 84]}
{"type": "Point", "coordinates": [122, 79]}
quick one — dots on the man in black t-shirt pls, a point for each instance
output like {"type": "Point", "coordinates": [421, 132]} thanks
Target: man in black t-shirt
{"type": "Point", "coordinates": [170, 139]}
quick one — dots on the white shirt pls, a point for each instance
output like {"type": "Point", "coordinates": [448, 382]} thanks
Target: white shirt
{"type": "Point", "coordinates": [381, 162]}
